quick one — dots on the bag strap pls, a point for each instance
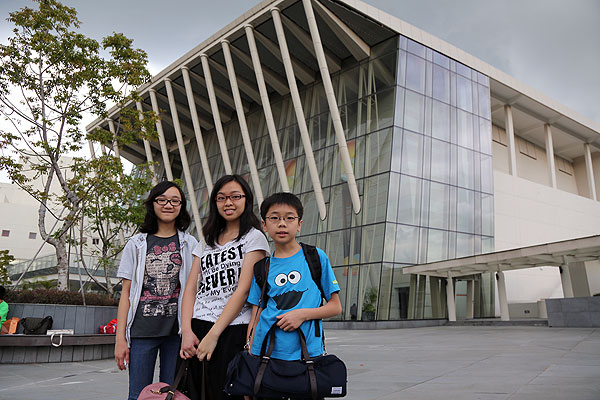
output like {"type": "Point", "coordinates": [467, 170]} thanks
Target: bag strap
{"type": "Point", "coordinates": [170, 389]}
{"type": "Point", "coordinates": [266, 262]}
{"type": "Point", "coordinates": [265, 354]}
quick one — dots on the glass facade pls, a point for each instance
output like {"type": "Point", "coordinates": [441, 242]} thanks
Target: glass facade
{"type": "Point", "coordinates": [418, 130]}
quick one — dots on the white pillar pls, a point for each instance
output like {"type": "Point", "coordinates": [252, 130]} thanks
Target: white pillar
{"type": "Point", "coordinates": [147, 147]}
{"type": "Point", "coordinates": [470, 298]}
{"type": "Point", "coordinates": [565, 280]}
{"type": "Point", "coordinates": [333, 107]}
{"type": "Point", "coordinates": [184, 161]}
{"type": "Point", "coordinates": [590, 171]}
{"type": "Point", "coordinates": [115, 142]}
{"type": "Point", "coordinates": [266, 104]}
{"type": "Point", "coordinates": [161, 136]}
{"type": "Point", "coordinates": [197, 130]}
{"type": "Point", "coordinates": [308, 151]}
{"type": "Point", "coordinates": [510, 133]}
{"type": "Point", "coordinates": [502, 296]}
{"type": "Point", "coordinates": [239, 108]}
{"type": "Point", "coordinates": [214, 106]}
{"type": "Point", "coordinates": [550, 156]}
{"type": "Point", "coordinates": [450, 299]}
{"type": "Point", "coordinates": [92, 151]}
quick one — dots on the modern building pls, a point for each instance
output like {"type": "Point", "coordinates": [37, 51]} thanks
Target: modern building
{"type": "Point", "coordinates": [404, 149]}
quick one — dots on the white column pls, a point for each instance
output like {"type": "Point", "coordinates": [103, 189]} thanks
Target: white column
{"type": "Point", "coordinates": [450, 299]}
{"type": "Point", "coordinates": [197, 130]}
{"type": "Point", "coordinates": [239, 108]}
{"type": "Point", "coordinates": [266, 104]}
{"type": "Point", "coordinates": [565, 280]}
{"type": "Point", "coordinates": [333, 107]}
{"type": "Point", "coordinates": [470, 297]}
{"type": "Point", "coordinates": [510, 133]}
{"type": "Point", "coordinates": [502, 296]}
{"type": "Point", "coordinates": [115, 142]}
{"type": "Point", "coordinates": [590, 171]}
{"type": "Point", "coordinates": [289, 71]}
{"type": "Point", "coordinates": [92, 151]}
{"type": "Point", "coordinates": [147, 147]}
{"type": "Point", "coordinates": [214, 106]}
{"type": "Point", "coordinates": [184, 161]}
{"type": "Point", "coordinates": [161, 136]}
{"type": "Point", "coordinates": [550, 156]}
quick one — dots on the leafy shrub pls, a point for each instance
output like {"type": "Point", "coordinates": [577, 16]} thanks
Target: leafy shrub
{"type": "Point", "coordinates": [53, 296]}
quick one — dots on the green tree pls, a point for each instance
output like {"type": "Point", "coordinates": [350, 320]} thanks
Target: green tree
{"type": "Point", "coordinates": [5, 260]}
{"type": "Point", "coordinates": [50, 77]}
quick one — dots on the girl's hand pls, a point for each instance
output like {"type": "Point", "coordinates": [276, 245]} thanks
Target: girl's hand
{"type": "Point", "coordinates": [121, 353]}
{"type": "Point", "coordinates": [291, 320]}
{"type": "Point", "coordinates": [189, 342]}
{"type": "Point", "coordinates": [207, 346]}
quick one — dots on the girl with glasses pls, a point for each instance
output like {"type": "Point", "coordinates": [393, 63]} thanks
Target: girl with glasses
{"type": "Point", "coordinates": [154, 266]}
{"type": "Point", "coordinates": [215, 314]}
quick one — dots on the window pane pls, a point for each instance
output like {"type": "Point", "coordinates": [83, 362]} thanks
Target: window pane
{"type": "Point", "coordinates": [385, 292]}
{"type": "Point", "coordinates": [441, 84]}
{"type": "Point", "coordinates": [414, 111]}
{"type": "Point", "coordinates": [415, 73]}
{"type": "Point", "coordinates": [378, 152]}
{"type": "Point", "coordinates": [412, 153]}
{"type": "Point", "coordinates": [407, 242]}
{"type": "Point", "coordinates": [439, 206]}
{"type": "Point", "coordinates": [484, 102]}
{"type": "Point", "coordinates": [340, 208]}
{"type": "Point", "coordinates": [465, 129]}
{"type": "Point", "coordinates": [409, 204]}
{"type": "Point", "coordinates": [440, 127]}
{"type": "Point", "coordinates": [400, 295]}
{"type": "Point", "coordinates": [441, 60]}
{"type": "Point", "coordinates": [437, 245]}
{"type": "Point", "coordinates": [487, 177]}
{"type": "Point", "coordinates": [440, 161]}
{"type": "Point", "coordinates": [485, 136]}
{"type": "Point", "coordinates": [464, 95]}
{"type": "Point", "coordinates": [372, 243]}
{"type": "Point", "coordinates": [466, 207]}
{"type": "Point", "coordinates": [416, 48]}
{"type": "Point", "coordinates": [487, 214]}
{"type": "Point", "coordinates": [393, 193]}
{"type": "Point", "coordinates": [465, 245]}
{"type": "Point", "coordinates": [369, 287]}
{"type": "Point", "coordinates": [384, 69]}
{"type": "Point", "coordinates": [466, 176]}
{"type": "Point", "coordinates": [375, 199]}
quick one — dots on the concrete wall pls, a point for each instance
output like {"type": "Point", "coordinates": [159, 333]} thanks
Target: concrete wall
{"type": "Point", "coordinates": [576, 312]}
{"type": "Point", "coordinates": [529, 213]}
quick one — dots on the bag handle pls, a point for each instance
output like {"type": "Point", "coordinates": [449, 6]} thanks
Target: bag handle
{"type": "Point", "coordinates": [170, 389]}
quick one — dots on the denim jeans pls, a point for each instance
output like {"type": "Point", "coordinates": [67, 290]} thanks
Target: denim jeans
{"type": "Point", "coordinates": [142, 359]}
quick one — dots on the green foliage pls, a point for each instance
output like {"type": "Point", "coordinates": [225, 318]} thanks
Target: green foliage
{"type": "Point", "coordinates": [50, 76]}
{"type": "Point", "coordinates": [5, 260]}
{"type": "Point", "coordinates": [370, 300]}
{"type": "Point", "coordinates": [40, 284]}
{"type": "Point", "coordinates": [53, 296]}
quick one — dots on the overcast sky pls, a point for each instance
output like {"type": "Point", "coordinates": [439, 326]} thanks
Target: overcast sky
{"type": "Point", "coordinates": [551, 45]}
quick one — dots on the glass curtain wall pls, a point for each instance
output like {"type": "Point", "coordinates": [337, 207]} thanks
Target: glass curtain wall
{"type": "Point", "coordinates": [421, 151]}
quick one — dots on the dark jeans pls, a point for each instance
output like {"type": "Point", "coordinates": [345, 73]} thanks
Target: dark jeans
{"type": "Point", "coordinates": [142, 359]}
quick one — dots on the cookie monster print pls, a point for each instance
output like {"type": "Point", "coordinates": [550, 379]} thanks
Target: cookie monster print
{"type": "Point", "coordinates": [291, 298]}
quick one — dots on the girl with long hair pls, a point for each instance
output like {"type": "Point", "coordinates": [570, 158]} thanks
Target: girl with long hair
{"type": "Point", "coordinates": [154, 266]}
{"type": "Point", "coordinates": [215, 314]}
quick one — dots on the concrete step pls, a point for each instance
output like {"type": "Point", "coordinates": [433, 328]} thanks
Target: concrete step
{"type": "Point", "coordinates": [498, 322]}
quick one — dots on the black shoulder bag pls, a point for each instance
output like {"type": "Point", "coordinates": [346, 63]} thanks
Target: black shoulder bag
{"type": "Point", "coordinates": [263, 376]}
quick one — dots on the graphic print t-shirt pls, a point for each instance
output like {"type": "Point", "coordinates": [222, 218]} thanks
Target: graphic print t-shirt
{"type": "Point", "coordinates": [156, 314]}
{"type": "Point", "coordinates": [221, 267]}
{"type": "Point", "coordinates": [291, 286]}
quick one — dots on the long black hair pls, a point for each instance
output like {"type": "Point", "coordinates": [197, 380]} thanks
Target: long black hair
{"type": "Point", "coordinates": [150, 224]}
{"type": "Point", "coordinates": [215, 224]}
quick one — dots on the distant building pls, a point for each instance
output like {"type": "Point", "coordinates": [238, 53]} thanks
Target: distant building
{"type": "Point", "coordinates": [404, 149]}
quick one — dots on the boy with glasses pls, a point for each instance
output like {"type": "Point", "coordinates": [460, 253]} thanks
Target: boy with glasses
{"type": "Point", "coordinates": [293, 299]}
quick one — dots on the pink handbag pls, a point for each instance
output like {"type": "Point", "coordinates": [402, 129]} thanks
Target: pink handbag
{"type": "Point", "coordinates": [161, 391]}
{"type": "Point", "coordinates": [164, 391]}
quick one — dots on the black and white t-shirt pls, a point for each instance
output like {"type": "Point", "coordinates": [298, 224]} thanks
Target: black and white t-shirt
{"type": "Point", "coordinates": [221, 267]}
{"type": "Point", "coordinates": [156, 314]}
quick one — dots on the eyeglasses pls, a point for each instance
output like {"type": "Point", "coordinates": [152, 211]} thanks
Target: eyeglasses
{"type": "Point", "coordinates": [163, 202]}
{"type": "Point", "coordinates": [290, 219]}
{"type": "Point", "coordinates": [234, 197]}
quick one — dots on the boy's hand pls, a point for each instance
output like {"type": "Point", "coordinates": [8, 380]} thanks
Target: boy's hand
{"type": "Point", "coordinates": [189, 342]}
{"type": "Point", "coordinates": [291, 320]}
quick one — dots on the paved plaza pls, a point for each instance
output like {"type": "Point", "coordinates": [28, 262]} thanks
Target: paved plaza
{"type": "Point", "coordinates": [448, 362]}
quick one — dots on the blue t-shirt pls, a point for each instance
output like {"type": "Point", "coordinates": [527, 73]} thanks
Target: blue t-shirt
{"type": "Point", "coordinates": [291, 287]}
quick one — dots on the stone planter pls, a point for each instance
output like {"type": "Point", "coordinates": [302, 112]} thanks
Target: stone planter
{"type": "Point", "coordinates": [579, 312]}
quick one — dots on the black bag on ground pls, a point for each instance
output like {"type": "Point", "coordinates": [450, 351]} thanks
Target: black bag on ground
{"type": "Point", "coordinates": [35, 325]}
{"type": "Point", "coordinates": [262, 376]}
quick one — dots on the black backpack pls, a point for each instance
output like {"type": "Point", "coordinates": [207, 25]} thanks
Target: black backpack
{"type": "Point", "coordinates": [314, 264]}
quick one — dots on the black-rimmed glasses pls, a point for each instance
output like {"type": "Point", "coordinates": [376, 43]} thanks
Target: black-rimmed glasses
{"type": "Point", "coordinates": [163, 202]}
{"type": "Point", "coordinates": [234, 197]}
